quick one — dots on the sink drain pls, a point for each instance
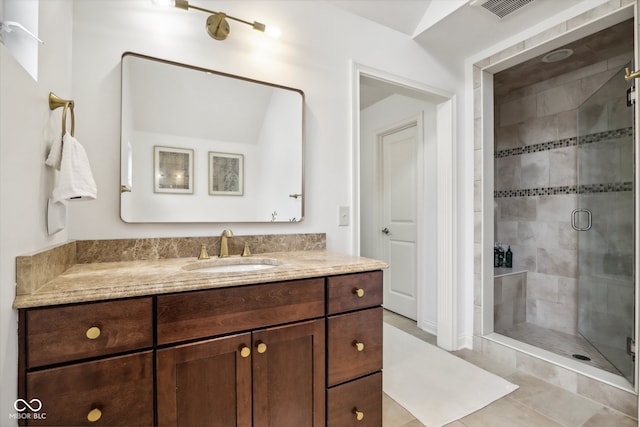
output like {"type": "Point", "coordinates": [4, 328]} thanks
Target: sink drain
{"type": "Point", "coordinates": [581, 357]}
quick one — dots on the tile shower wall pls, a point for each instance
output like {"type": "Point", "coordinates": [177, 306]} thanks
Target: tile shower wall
{"type": "Point", "coordinates": [536, 187]}
{"type": "Point", "coordinates": [509, 301]}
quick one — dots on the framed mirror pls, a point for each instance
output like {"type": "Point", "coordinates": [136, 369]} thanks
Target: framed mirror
{"type": "Point", "coordinates": [203, 146]}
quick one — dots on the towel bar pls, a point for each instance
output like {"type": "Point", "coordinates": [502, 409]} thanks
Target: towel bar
{"type": "Point", "coordinates": [57, 102]}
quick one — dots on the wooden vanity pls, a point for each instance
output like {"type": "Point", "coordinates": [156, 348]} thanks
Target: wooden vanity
{"type": "Point", "coordinates": [300, 352]}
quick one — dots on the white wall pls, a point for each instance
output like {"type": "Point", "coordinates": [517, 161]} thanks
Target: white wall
{"type": "Point", "coordinates": [314, 54]}
{"type": "Point", "coordinates": [26, 131]}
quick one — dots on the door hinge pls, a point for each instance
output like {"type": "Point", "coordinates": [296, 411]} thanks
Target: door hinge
{"type": "Point", "coordinates": [631, 96]}
{"type": "Point", "coordinates": [631, 348]}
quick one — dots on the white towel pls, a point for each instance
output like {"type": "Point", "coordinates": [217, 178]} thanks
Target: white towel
{"type": "Point", "coordinates": [55, 154]}
{"type": "Point", "coordinates": [75, 180]}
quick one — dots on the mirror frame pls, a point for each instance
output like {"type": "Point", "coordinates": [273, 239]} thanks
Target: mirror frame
{"type": "Point", "coordinates": [124, 185]}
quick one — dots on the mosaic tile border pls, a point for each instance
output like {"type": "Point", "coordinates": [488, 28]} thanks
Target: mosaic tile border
{"type": "Point", "coordinates": [569, 189]}
{"type": "Point", "coordinates": [566, 142]}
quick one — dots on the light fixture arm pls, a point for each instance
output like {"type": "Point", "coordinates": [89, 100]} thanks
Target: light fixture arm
{"type": "Point", "coordinates": [184, 4]}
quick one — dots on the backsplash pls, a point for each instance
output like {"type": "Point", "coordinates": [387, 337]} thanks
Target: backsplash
{"type": "Point", "coordinates": [34, 270]}
{"type": "Point", "coordinates": [89, 251]}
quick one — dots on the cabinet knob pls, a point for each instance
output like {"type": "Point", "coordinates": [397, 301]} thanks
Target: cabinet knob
{"type": "Point", "coordinates": [359, 414]}
{"type": "Point", "coordinates": [93, 332]}
{"type": "Point", "coordinates": [262, 347]}
{"type": "Point", "coordinates": [94, 415]}
{"type": "Point", "coordinates": [358, 345]}
{"type": "Point", "coordinates": [245, 351]}
{"type": "Point", "coordinates": [359, 292]}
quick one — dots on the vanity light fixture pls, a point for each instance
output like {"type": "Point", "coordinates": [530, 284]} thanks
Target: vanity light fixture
{"type": "Point", "coordinates": [217, 25]}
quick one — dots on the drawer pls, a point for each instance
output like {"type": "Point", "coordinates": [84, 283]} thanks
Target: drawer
{"type": "Point", "coordinates": [354, 347]}
{"type": "Point", "coordinates": [118, 391]}
{"type": "Point", "coordinates": [200, 314]}
{"type": "Point", "coordinates": [356, 403]}
{"type": "Point", "coordinates": [66, 333]}
{"type": "Point", "coordinates": [354, 291]}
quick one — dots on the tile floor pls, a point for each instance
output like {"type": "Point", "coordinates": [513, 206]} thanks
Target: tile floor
{"type": "Point", "coordinates": [535, 404]}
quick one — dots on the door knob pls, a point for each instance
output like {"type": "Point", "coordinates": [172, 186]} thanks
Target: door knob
{"type": "Point", "coordinates": [386, 231]}
{"type": "Point", "coordinates": [628, 75]}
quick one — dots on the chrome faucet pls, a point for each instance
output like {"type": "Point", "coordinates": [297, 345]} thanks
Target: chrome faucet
{"type": "Point", "coordinates": [224, 248]}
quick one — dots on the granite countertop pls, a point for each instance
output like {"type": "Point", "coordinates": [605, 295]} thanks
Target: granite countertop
{"type": "Point", "coordinates": [110, 280]}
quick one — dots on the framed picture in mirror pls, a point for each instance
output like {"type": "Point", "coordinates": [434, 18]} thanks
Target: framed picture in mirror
{"type": "Point", "coordinates": [226, 174]}
{"type": "Point", "coordinates": [172, 170]}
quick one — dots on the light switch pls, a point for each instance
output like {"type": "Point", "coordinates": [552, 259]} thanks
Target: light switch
{"type": "Point", "coordinates": [343, 215]}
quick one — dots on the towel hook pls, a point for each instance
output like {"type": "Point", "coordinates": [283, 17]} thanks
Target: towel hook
{"type": "Point", "coordinates": [57, 102]}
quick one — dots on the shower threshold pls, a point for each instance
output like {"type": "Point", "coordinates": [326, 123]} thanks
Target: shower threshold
{"type": "Point", "coordinates": [564, 362]}
{"type": "Point", "coordinates": [560, 343]}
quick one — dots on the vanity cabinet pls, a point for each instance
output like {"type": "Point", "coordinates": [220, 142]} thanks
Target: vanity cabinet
{"type": "Point", "coordinates": [265, 376]}
{"type": "Point", "coordinates": [305, 352]}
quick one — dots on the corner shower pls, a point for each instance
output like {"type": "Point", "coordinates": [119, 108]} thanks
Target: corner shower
{"type": "Point", "coordinates": [564, 201]}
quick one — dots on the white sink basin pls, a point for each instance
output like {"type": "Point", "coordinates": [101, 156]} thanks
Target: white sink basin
{"type": "Point", "coordinates": [232, 265]}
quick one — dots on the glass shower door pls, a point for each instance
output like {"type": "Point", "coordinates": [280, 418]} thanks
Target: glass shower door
{"type": "Point", "coordinates": [604, 219]}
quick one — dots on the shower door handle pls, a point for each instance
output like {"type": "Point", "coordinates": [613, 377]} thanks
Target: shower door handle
{"type": "Point", "coordinates": [574, 219]}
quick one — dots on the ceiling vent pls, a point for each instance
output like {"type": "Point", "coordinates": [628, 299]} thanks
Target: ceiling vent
{"type": "Point", "coordinates": [501, 8]}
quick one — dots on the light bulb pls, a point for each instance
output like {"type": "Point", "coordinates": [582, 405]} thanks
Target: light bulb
{"type": "Point", "coordinates": [273, 31]}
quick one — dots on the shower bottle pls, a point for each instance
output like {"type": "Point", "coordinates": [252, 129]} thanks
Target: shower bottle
{"type": "Point", "coordinates": [508, 258]}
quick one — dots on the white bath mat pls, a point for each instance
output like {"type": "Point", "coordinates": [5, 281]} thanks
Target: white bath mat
{"type": "Point", "coordinates": [435, 386]}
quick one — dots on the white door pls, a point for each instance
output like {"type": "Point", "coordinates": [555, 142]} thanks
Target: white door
{"type": "Point", "coordinates": [399, 228]}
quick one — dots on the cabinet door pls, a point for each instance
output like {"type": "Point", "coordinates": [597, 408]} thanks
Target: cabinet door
{"type": "Point", "coordinates": [206, 384]}
{"type": "Point", "coordinates": [356, 403]}
{"type": "Point", "coordinates": [350, 292]}
{"type": "Point", "coordinates": [355, 345]}
{"type": "Point", "coordinates": [117, 391]}
{"type": "Point", "coordinates": [289, 375]}
{"type": "Point", "coordinates": [73, 332]}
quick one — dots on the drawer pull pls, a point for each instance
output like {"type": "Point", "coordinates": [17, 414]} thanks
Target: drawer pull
{"type": "Point", "coordinates": [358, 345]}
{"type": "Point", "coordinates": [262, 347]}
{"type": "Point", "coordinates": [245, 351]}
{"type": "Point", "coordinates": [94, 415]}
{"type": "Point", "coordinates": [359, 414]}
{"type": "Point", "coordinates": [93, 332]}
{"type": "Point", "coordinates": [359, 292]}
